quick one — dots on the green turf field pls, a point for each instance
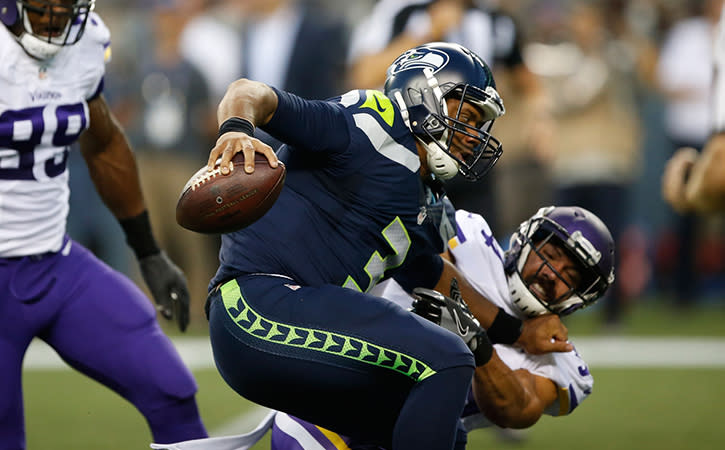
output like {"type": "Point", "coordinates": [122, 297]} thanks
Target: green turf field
{"type": "Point", "coordinates": [663, 409]}
{"type": "Point", "coordinates": [655, 408]}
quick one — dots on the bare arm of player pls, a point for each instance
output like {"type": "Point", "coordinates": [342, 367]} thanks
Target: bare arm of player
{"type": "Point", "coordinates": [705, 190]}
{"type": "Point", "coordinates": [111, 163]}
{"type": "Point", "coordinates": [511, 399]}
{"type": "Point", "coordinates": [251, 101]}
{"type": "Point", "coordinates": [542, 334]}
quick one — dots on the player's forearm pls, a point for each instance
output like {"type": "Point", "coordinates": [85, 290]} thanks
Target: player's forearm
{"type": "Point", "coordinates": [480, 306]}
{"type": "Point", "coordinates": [502, 396]}
{"type": "Point", "coordinates": [111, 163]}
{"type": "Point", "coordinates": [250, 100]}
{"type": "Point", "coordinates": [705, 190]}
{"type": "Point", "coordinates": [115, 176]}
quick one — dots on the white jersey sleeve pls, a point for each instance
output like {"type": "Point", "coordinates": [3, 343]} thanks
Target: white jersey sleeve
{"type": "Point", "coordinates": [567, 370]}
{"type": "Point", "coordinates": [43, 111]}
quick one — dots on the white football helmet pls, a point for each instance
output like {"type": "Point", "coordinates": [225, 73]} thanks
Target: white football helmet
{"type": "Point", "coordinates": [53, 25]}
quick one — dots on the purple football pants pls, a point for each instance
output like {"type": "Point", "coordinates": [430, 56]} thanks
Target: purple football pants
{"type": "Point", "coordinates": [102, 325]}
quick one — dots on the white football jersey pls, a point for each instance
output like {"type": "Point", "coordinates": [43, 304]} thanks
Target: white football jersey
{"type": "Point", "coordinates": [43, 110]}
{"type": "Point", "coordinates": [480, 258]}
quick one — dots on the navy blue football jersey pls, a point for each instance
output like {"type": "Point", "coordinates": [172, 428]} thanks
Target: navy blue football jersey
{"type": "Point", "coordinates": [353, 209]}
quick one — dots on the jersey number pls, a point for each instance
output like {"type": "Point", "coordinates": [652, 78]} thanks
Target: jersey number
{"type": "Point", "coordinates": [23, 130]}
{"type": "Point", "coordinates": [397, 237]}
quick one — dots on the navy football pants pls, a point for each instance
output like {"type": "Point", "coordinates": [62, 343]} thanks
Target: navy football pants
{"type": "Point", "coordinates": [350, 362]}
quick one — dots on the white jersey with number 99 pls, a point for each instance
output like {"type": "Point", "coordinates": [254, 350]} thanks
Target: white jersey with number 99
{"type": "Point", "coordinates": [43, 110]}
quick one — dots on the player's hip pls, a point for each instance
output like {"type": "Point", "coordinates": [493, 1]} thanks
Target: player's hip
{"type": "Point", "coordinates": [40, 288]}
{"type": "Point", "coordinates": [275, 314]}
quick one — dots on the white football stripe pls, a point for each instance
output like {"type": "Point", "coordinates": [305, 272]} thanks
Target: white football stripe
{"type": "Point", "coordinates": [619, 351]}
{"type": "Point", "coordinates": [384, 144]}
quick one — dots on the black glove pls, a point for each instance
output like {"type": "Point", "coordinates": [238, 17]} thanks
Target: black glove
{"type": "Point", "coordinates": [454, 316]}
{"type": "Point", "coordinates": [168, 287]}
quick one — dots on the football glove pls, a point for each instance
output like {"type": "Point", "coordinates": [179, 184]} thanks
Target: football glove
{"type": "Point", "coordinates": [168, 287]}
{"type": "Point", "coordinates": [453, 314]}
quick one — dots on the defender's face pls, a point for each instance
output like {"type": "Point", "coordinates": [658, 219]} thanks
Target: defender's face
{"type": "Point", "coordinates": [49, 18]}
{"type": "Point", "coordinates": [551, 273]}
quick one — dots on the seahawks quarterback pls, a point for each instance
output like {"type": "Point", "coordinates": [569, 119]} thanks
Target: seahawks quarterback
{"type": "Point", "coordinates": [98, 321]}
{"type": "Point", "coordinates": [292, 323]}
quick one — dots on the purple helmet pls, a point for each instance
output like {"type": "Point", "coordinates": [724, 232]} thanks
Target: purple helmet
{"type": "Point", "coordinates": [586, 239]}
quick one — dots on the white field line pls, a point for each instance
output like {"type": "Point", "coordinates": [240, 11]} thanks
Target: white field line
{"type": "Point", "coordinates": [619, 351]}
{"type": "Point", "coordinates": [614, 352]}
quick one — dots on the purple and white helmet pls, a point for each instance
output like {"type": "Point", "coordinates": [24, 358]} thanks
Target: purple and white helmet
{"type": "Point", "coordinates": [586, 239]}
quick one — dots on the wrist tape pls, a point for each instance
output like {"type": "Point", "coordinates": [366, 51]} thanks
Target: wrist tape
{"type": "Point", "coordinates": [505, 329]}
{"type": "Point", "coordinates": [236, 124]}
{"type": "Point", "coordinates": [483, 350]}
{"type": "Point", "coordinates": [139, 236]}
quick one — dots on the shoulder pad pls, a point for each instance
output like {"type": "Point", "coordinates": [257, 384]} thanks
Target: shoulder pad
{"type": "Point", "coordinates": [98, 33]}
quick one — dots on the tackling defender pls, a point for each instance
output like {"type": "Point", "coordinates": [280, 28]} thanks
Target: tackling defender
{"type": "Point", "coordinates": [292, 324]}
{"type": "Point", "coordinates": [52, 288]}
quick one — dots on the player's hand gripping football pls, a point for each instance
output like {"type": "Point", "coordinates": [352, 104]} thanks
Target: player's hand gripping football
{"type": "Point", "coordinates": [168, 287]}
{"type": "Point", "coordinates": [453, 314]}
{"type": "Point", "coordinates": [231, 143]}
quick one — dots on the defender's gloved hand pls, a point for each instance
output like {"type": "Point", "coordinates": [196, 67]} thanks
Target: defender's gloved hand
{"type": "Point", "coordinates": [454, 316]}
{"type": "Point", "coordinates": [168, 287]}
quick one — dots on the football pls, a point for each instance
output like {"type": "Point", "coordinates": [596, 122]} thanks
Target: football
{"type": "Point", "coordinates": [214, 203]}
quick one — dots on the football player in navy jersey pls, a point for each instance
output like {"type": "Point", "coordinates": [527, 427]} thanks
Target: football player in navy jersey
{"type": "Point", "coordinates": [292, 323]}
{"type": "Point", "coordinates": [99, 322]}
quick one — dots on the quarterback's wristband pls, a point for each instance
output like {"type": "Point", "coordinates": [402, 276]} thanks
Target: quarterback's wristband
{"type": "Point", "coordinates": [139, 235]}
{"type": "Point", "coordinates": [484, 349]}
{"type": "Point", "coordinates": [505, 329]}
{"type": "Point", "coordinates": [237, 124]}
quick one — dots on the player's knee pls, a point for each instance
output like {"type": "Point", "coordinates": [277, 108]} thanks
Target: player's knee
{"type": "Point", "coordinates": [176, 420]}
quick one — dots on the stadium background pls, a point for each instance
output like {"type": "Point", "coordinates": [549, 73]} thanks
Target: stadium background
{"type": "Point", "coordinates": [658, 371]}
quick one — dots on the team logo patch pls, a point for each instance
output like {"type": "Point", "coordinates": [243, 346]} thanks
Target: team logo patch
{"type": "Point", "coordinates": [419, 59]}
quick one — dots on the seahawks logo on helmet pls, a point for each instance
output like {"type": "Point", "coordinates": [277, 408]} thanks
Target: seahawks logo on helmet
{"type": "Point", "coordinates": [419, 58]}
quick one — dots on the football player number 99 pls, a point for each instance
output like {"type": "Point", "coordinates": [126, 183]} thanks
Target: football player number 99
{"type": "Point", "coordinates": [23, 130]}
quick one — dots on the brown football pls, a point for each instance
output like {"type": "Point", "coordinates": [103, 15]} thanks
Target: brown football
{"type": "Point", "coordinates": [215, 203]}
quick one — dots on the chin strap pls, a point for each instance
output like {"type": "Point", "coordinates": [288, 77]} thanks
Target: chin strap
{"type": "Point", "coordinates": [37, 48]}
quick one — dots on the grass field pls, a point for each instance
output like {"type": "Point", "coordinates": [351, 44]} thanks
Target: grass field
{"type": "Point", "coordinates": [665, 408]}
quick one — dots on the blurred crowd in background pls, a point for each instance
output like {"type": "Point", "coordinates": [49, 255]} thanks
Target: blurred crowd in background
{"type": "Point", "coordinates": [598, 95]}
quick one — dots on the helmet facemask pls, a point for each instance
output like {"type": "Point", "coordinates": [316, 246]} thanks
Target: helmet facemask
{"type": "Point", "coordinates": [53, 25]}
{"type": "Point", "coordinates": [437, 130]}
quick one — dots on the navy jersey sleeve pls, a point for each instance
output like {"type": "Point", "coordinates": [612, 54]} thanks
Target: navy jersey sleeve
{"type": "Point", "coordinates": [313, 125]}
